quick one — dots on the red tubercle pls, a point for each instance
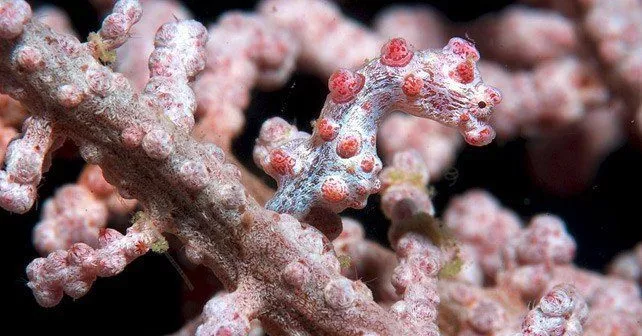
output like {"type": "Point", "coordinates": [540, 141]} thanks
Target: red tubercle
{"type": "Point", "coordinates": [281, 162]}
{"type": "Point", "coordinates": [367, 164]}
{"type": "Point", "coordinates": [334, 190]}
{"type": "Point", "coordinates": [348, 146]}
{"type": "Point", "coordinates": [464, 72]}
{"type": "Point", "coordinates": [327, 129]}
{"type": "Point", "coordinates": [344, 85]}
{"type": "Point", "coordinates": [412, 85]}
{"type": "Point", "coordinates": [396, 53]}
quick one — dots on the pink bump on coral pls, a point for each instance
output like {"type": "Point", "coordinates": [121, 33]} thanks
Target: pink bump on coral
{"type": "Point", "coordinates": [194, 174]}
{"type": "Point", "coordinates": [73, 271]}
{"type": "Point", "coordinates": [116, 26]}
{"type": "Point", "coordinates": [26, 159]}
{"type": "Point", "coordinates": [344, 85]}
{"type": "Point", "coordinates": [562, 311]}
{"type": "Point", "coordinates": [13, 16]}
{"type": "Point", "coordinates": [339, 294]}
{"type": "Point", "coordinates": [545, 240]}
{"type": "Point", "coordinates": [69, 95]}
{"type": "Point", "coordinates": [226, 314]}
{"type": "Point", "coordinates": [412, 85]}
{"type": "Point", "coordinates": [29, 59]}
{"type": "Point", "coordinates": [327, 129]}
{"type": "Point", "coordinates": [296, 274]}
{"type": "Point", "coordinates": [396, 53]}
{"type": "Point", "coordinates": [157, 144]}
{"type": "Point", "coordinates": [99, 80]}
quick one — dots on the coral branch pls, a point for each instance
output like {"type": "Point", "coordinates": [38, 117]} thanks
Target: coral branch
{"type": "Point", "coordinates": [26, 160]}
{"type": "Point", "coordinates": [366, 260]}
{"type": "Point", "coordinates": [554, 94]}
{"type": "Point", "coordinates": [422, 26]}
{"type": "Point", "coordinates": [562, 311]}
{"type": "Point", "coordinates": [230, 313]}
{"type": "Point", "coordinates": [178, 56]}
{"type": "Point", "coordinates": [115, 29]}
{"type": "Point", "coordinates": [55, 18]}
{"type": "Point", "coordinates": [478, 220]}
{"type": "Point", "coordinates": [328, 39]}
{"type": "Point", "coordinates": [525, 36]}
{"type": "Point", "coordinates": [415, 277]}
{"type": "Point", "coordinates": [74, 271]}
{"type": "Point", "coordinates": [132, 58]}
{"type": "Point", "coordinates": [72, 216]}
{"type": "Point", "coordinates": [628, 265]}
{"type": "Point", "coordinates": [244, 50]}
{"type": "Point", "coordinates": [6, 135]}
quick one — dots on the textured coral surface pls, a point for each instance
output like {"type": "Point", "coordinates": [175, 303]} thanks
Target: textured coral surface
{"type": "Point", "coordinates": [316, 167]}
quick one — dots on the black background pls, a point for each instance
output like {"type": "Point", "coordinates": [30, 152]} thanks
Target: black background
{"type": "Point", "coordinates": [146, 298]}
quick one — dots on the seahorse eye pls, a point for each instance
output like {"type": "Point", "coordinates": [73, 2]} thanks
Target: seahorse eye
{"type": "Point", "coordinates": [481, 104]}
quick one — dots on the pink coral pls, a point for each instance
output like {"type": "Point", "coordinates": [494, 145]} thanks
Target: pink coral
{"type": "Point", "coordinates": [297, 267]}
